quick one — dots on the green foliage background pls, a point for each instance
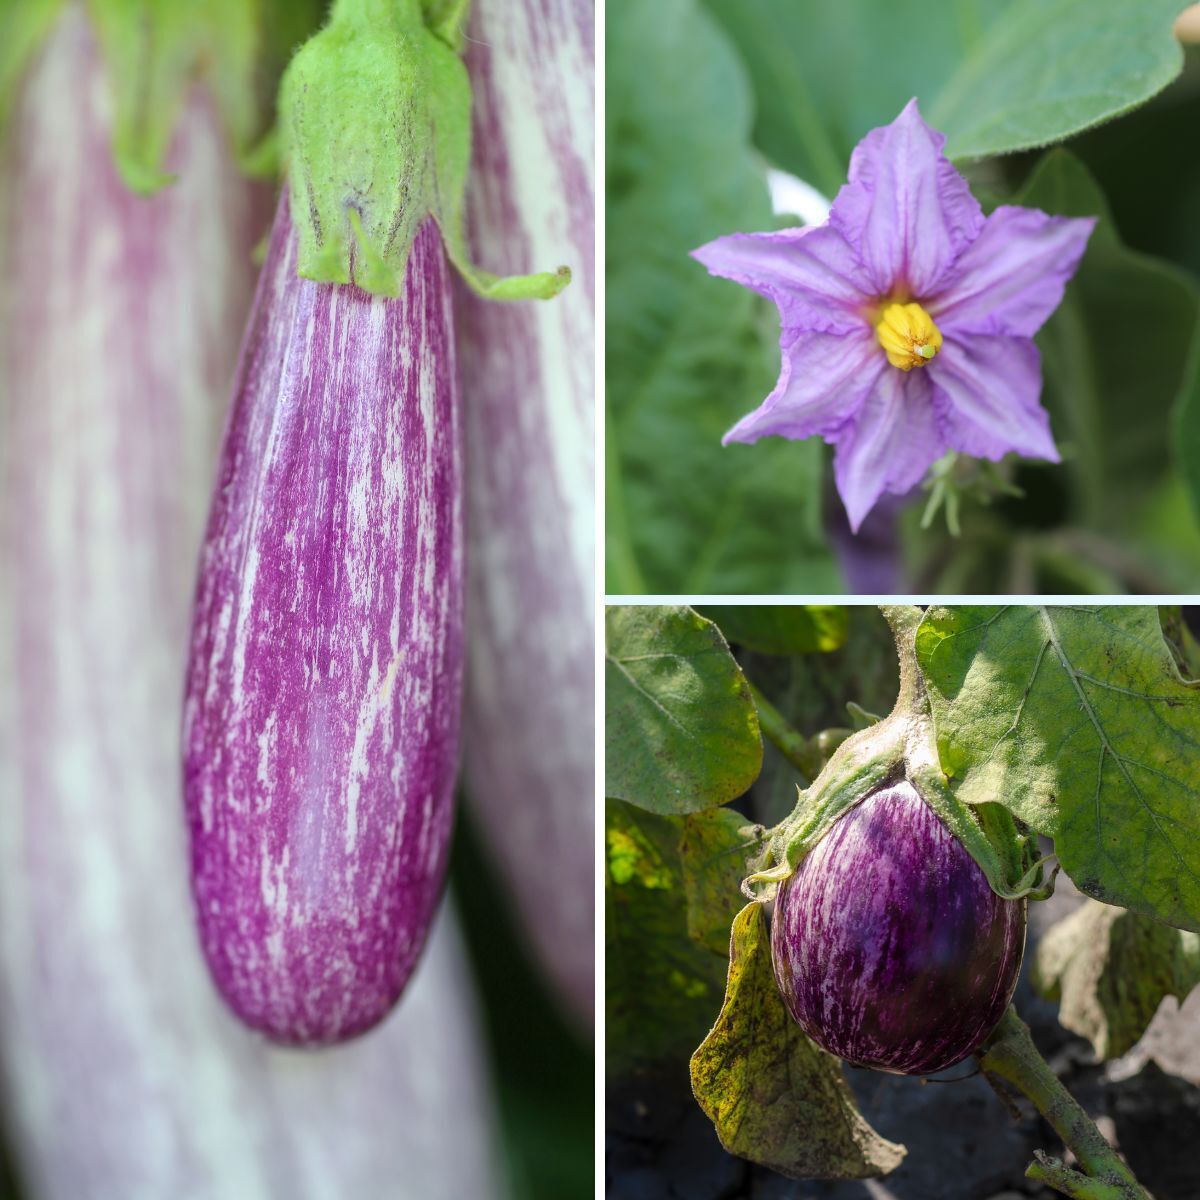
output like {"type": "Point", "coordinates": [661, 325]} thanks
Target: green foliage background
{"type": "Point", "coordinates": [704, 95]}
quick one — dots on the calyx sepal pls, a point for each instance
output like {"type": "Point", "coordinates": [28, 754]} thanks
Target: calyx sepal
{"type": "Point", "coordinates": [900, 746]}
{"type": "Point", "coordinates": [375, 117]}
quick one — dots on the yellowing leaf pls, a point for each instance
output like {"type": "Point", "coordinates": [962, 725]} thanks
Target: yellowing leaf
{"type": "Point", "coordinates": [775, 1097]}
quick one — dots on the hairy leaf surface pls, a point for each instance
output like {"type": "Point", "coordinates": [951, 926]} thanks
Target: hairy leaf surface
{"type": "Point", "coordinates": [1079, 722]}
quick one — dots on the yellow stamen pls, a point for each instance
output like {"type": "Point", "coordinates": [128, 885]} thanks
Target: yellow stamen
{"type": "Point", "coordinates": [908, 336]}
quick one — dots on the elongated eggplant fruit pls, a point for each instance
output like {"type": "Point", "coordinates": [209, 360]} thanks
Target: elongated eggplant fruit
{"type": "Point", "coordinates": [529, 411]}
{"type": "Point", "coordinates": [890, 947]}
{"type": "Point", "coordinates": [321, 719]}
{"type": "Point", "coordinates": [124, 1076]}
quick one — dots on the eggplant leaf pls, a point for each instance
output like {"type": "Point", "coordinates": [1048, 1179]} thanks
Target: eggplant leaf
{"type": "Point", "coordinates": [781, 628]}
{"type": "Point", "coordinates": [1125, 328]}
{"type": "Point", "coordinates": [773, 1095]}
{"type": "Point", "coordinates": [996, 77]}
{"type": "Point", "coordinates": [660, 987]}
{"type": "Point", "coordinates": [715, 848]}
{"type": "Point", "coordinates": [687, 355]}
{"type": "Point", "coordinates": [1110, 970]}
{"type": "Point", "coordinates": [681, 730]}
{"type": "Point", "coordinates": [1079, 722]}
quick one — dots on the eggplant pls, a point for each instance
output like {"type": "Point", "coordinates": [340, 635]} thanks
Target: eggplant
{"type": "Point", "coordinates": [322, 705]}
{"type": "Point", "coordinates": [890, 948]}
{"type": "Point", "coordinates": [529, 405]}
{"type": "Point", "coordinates": [123, 1073]}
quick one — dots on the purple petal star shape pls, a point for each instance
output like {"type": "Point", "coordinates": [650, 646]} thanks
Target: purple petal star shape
{"type": "Point", "coordinates": [907, 317]}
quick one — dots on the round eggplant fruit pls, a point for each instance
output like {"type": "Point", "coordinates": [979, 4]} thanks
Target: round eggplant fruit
{"type": "Point", "coordinates": [889, 945]}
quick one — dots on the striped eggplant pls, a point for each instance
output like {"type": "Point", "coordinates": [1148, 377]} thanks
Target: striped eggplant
{"type": "Point", "coordinates": [890, 948]}
{"type": "Point", "coordinates": [529, 414]}
{"type": "Point", "coordinates": [123, 1073]}
{"type": "Point", "coordinates": [323, 694]}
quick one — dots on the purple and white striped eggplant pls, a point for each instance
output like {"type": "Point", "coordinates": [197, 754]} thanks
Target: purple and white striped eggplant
{"type": "Point", "coordinates": [123, 1073]}
{"type": "Point", "coordinates": [321, 720]}
{"type": "Point", "coordinates": [890, 947]}
{"type": "Point", "coordinates": [530, 418]}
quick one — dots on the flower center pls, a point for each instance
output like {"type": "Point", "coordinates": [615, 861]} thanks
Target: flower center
{"type": "Point", "coordinates": [908, 336]}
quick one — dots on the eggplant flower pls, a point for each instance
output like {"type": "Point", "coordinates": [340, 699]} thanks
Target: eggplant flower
{"type": "Point", "coordinates": [907, 317]}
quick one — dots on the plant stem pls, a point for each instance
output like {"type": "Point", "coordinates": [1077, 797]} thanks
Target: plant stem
{"type": "Point", "coordinates": [803, 754]}
{"type": "Point", "coordinates": [1010, 1054]}
{"type": "Point", "coordinates": [903, 620]}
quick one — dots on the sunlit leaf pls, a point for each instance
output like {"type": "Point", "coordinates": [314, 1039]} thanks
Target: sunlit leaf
{"type": "Point", "coordinates": [1078, 721]}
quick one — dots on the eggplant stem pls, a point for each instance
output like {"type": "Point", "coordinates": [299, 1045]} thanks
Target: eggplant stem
{"type": "Point", "coordinates": [1009, 1054]}
{"type": "Point", "coordinates": [800, 751]}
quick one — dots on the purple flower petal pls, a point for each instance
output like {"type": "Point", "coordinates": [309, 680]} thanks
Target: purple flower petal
{"type": "Point", "coordinates": [906, 209]}
{"type": "Point", "coordinates": [986, 395]}
{"type": "Point", "coordinates": [1012, 277]}
{"type": "Point", "coordinates": [890, 443]}
{"type": "Point", "coordinates": [825, 379]}
{"type": "Point", "coordinates": [812, 274]}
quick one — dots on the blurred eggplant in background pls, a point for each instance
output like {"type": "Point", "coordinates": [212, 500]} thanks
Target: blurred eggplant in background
{"type": "Point", "coordinates": [529, 404]}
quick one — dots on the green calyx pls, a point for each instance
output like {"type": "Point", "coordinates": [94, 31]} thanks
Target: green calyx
{"type": "Point", "coordinates": [157, 49]}
{"type": "Point", "coordinates": [901, 746]}
{"type": "Point", "coordinates": [375, 120]}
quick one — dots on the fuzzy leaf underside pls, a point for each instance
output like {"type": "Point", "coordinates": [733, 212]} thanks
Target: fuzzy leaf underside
{"type": "Point", "coordinates": [1110, 969]}
{"type": "Point", "coordinates": [773, 1095]}
{"type": "Point", "coordinates": [660, 987]}
{"type": "Point", "coordinates": [1079, 723]}
{"type": "Point", "coordinates": [781, 628]}
{"type": "Point", "coordinates": [681, 730]}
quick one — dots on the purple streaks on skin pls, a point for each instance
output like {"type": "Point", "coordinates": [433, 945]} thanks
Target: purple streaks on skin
{"type": "Point", "coordinates": [321, 720]}
{"type": "Point", "coordinates": [890, 947]}
{"type": "Point", "coordinates": [529, 412]}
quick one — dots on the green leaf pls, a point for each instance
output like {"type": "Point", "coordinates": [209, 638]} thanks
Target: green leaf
{"type": "Point", "coordinates": [1187, 426]}
{"type": "Point", "coordinates": [680, 729]}
{"type": "Point", "coordinates": [1047, 69]}
{"type": "Point", "coordinates": [995, 77]}
{"type": "Point", "coordinates": [661, 988]}
{"type": "Point", "coordinates": [773, 1095]}
{"type": "Point", "coordinates": [1181, 640]}
{"type": "Point", "coordinates": [781, 628]}
{"type": "Point", "coordinates": [688, 355]}
{"type": "Point", "coordinates": [1077, 721]}
{"type": "Point", "coordinates": [714, 849]}
{"type": "Point", "coordinates": [1125, 329]}
{"type": "Point", "coordinates": [1110, 970]}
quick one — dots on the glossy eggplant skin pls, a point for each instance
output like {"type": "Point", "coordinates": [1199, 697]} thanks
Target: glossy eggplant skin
{"type": "Point", "coordinates": [890, 948]}
{"type": "Point", "coordinates": [321, 719]}
{"type": "Point", "coordinates": [529, 414]}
